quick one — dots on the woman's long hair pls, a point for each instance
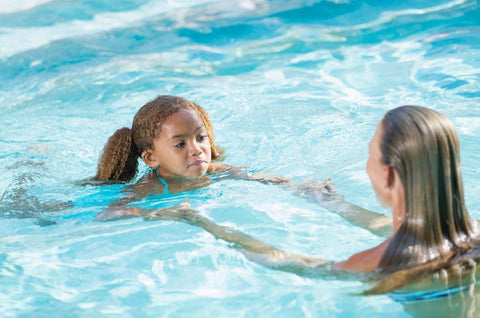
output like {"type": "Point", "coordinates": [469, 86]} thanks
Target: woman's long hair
{"type": "Point", "coordinates": [423, 148]}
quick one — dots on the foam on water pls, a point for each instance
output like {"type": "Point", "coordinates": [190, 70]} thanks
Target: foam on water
{"type": "Point", "coordinates": [293, 87]}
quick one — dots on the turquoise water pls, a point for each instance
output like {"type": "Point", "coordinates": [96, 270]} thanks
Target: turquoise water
{"type": "Point", "coordinates": [295, 87]}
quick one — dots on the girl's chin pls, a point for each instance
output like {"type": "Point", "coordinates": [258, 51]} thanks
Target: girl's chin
{"type": "Point", "coordinates": [196, 175]}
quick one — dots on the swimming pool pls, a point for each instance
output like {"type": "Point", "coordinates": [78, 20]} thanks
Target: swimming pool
{"type": "Point", "coordinates": [295, 87]}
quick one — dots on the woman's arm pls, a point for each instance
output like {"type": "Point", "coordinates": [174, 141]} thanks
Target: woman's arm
{"type": "Point", "coordinates": [320, 193]}
{"type": "Point", "coordinates": [257, 251]}
{"type": "Point", "coordinates": [376, 223]}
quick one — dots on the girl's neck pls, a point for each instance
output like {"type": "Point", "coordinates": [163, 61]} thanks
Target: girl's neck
{"type": "Point", "coordinates": [179, 183]}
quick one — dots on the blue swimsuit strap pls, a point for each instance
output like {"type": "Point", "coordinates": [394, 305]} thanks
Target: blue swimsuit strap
{"type": "Point", "coordinates": [405, 297]}
{"type": "Point", "coordinates": [165, 184]}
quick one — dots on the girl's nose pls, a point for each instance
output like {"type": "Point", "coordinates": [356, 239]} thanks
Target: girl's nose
{"type": "Point", "coordinates": [195, 148]}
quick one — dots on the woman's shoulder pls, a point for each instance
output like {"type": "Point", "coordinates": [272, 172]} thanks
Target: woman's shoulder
{"type": "Point", "coordinates": [365, 261]}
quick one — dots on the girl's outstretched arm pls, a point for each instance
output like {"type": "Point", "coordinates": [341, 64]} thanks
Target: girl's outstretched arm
{"type": "Point", "coordinates": [257, 251]}
{"type": "Point", "coordinates": [376, 223]}
{"type": "Point", "coordinates": [233, 172]}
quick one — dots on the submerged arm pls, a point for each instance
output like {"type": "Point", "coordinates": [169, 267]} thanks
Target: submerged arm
{"type": "Point", "coordinates": [119, 208]}
{"type": "Point", "coordinates": [242, 174]}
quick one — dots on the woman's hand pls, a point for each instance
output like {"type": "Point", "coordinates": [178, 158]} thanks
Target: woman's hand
{"type": "Point", "coordinates": [181, 212]}
{"type": "Point", "coordinates": [323, 192]}
{"type": "Point", "coordinates": [326, 196]}
{"type": "Point", "coordinates": [118, 212]}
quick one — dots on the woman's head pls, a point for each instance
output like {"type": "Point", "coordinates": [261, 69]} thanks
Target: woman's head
{"type": "Point", "coordinates": [422, 147]}
{"type": "Point", "coordinates": [119, 160]}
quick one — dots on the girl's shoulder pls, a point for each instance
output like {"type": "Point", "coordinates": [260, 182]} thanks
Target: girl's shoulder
{"type": "Point", "coordinates": [148, 184]}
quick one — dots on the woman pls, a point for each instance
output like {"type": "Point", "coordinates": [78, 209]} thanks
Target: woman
{"type": "Point", "coordinates": [414, 168]}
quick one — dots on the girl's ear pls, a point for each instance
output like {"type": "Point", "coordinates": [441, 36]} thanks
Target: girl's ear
{"type": "Point", "coordinates": [148, 156]}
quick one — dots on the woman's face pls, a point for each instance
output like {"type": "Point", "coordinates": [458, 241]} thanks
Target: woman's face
{"type": "Point", "coordinates": [377, 171]}
{"type": "Point", "coordinates": [182, 147]}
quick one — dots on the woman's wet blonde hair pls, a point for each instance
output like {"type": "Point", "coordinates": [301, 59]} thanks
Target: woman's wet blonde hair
{"type": "Point", "coordinates": [422, 146]}
{"type": "Point", "coordinates": [119, 160]}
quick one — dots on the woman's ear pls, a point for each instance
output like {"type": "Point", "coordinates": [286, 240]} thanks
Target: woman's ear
{"type": "Point", "coordinates": [148, 156]}
{"type": "Point", "coordinates": [388, 176]}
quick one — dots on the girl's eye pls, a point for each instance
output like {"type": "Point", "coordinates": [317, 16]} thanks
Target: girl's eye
{"type": "Point", "coordinates": [180, 145]}
{"type": "Point", "coordinates": [202, 138]}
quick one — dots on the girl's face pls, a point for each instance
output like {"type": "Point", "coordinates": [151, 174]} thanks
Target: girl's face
{"type": "Point", "coordinates": [182, 148]}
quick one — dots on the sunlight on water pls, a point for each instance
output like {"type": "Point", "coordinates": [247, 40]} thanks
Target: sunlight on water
{"type": "Point", "coordinates": [292, 87]}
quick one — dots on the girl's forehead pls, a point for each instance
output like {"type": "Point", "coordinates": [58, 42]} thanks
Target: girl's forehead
{"type": "Point", "coordinates": [183, 115]}
{"type": "Point", "coordinates": [182, 120]}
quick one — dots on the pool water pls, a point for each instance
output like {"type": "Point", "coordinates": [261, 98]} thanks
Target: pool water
{"type": "Point", "coordinates": [292, 87]}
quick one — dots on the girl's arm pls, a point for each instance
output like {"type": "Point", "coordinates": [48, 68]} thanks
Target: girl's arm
{"type": "Point", "coordinates": [376, 223]}
{"type": "Point", "coordinates": [241, 173]}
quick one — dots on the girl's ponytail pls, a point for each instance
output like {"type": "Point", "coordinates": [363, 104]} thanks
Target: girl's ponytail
{"type": "Point", "coordinates": [119, 160]}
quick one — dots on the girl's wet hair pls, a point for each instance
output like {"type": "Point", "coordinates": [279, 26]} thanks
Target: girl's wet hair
{"type": "Point", "coordinates": [119, 160]}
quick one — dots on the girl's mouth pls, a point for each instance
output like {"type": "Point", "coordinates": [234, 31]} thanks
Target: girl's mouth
{"type": "Point", "coordinates": [197, 163]}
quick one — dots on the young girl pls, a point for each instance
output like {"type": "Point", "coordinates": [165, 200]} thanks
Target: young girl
{"type": "Point", "coordinates": [174, 137]}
